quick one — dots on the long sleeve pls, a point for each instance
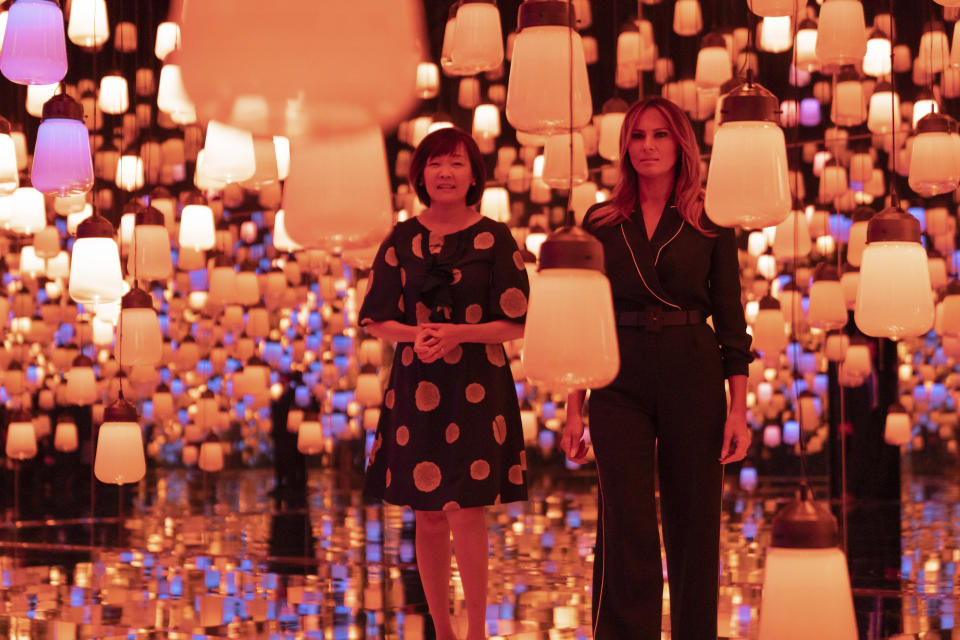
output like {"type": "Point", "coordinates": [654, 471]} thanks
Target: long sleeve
{"type": "Point", "coordinates": [728, 318]}
{"type": "Point", "coordinates": [384, 299]}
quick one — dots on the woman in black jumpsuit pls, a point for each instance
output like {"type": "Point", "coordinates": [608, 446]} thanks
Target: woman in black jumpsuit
{"type": "Point", "coordinates": [669, 270]}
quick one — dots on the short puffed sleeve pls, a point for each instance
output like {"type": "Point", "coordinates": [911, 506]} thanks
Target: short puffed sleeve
{"type": "Point", "coordinates": [509, 286]}
{"type": "Point", "coordinates": [384, 299]}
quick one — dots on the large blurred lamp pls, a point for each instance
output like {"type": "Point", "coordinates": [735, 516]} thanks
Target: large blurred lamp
{"type": "Point", "coordinates": [34, 43]}
{"type": "Point", "coordinates": [88, 26]}
{"type": "Point", "coordinates": [21, 437]}
{"type": "Point", "coordinates": [894, 298]}
{"type": "Point", "coordinates": [477, 43]}
{"type": "Point", "coordinates": [841, 33]}
{"type": "Point", "coordinates": [580, 352]}
{"type": "Point", "coordinates": [747, 180]}
{"type": "Point", "coordinates": [9, 174]}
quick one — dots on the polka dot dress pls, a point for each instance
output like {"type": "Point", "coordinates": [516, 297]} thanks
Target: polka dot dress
{"type": "Point", "coordinates": [449, 435]}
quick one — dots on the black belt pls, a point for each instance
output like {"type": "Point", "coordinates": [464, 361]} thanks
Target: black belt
{"type": "Point", "coordinates": [655, 319]}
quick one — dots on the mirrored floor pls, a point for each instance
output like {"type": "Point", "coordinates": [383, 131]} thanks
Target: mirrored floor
{"type": "Point", "coordinates": [212, 557]}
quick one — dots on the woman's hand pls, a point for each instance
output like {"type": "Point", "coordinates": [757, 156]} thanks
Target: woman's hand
{"type": "Point", "coordinates": [572, 441]}
{"type": "Point", "coordinates": [436, 339]}
{"type": "Point", "coordinates": [736, 438]}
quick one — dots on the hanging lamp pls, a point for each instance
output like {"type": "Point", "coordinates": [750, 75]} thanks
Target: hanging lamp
{"type": "Point", "coordinates": [87, 26]}
{"type": "Point", "coordinates": [197, 228]}
{"type": "Point", "coordinates": [828, 309]}
{"type": "Point", "coordinates": [747, 179]}
{"type": "Point", "coordinates": [477, 43]}
{"type": "Point", "coordinates": [841, 34]}
{"type": "Point", "coordinates": [934, 165]}
{"type": "Point", "coordinates": [120, 458]}
{"type": "Point", "coordinates": [81, 382]}
{"type": "Point", "coordinates": [95, 273]}
{"type": "Point", "coordinates": [62, 164]}
{"type": "Point", "coordinates": [34, 43]}
{"type": "Point", "coordinates": [581, 352]}
{"type": "Point", "coordinates": [139, 337]}
{"type": "Point", "coordinates": [21, 436]}
{"type": "Point", "coordinates": [150, 258]}
{"type": "Point", "coordinates": [894, 298]}
{"type": "Point", "coordinates": [9, 173]}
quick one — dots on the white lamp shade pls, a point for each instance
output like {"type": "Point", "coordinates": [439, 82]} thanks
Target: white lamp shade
{"type": "Point", "coordinates": [172, 98]}
{"type": "Point", "coordinates": [841, 33]}
{"type": "Point", "coordinates": [894, 298]}
{"type": "Point", "coordinates": [197, 229]}
{"type": "Point", "coordinates": [581, 352]}
{"type": "Point", "coordinates": [849, 106]}
{"type": "Point", "coordinates": [774, 8]}
{"type": "Point", "coordinates": [21, 441]}
{"type": "Point", "coordinates": [140, 338]}
{"type": "Point", "coordinates": [95, 273]}
{"type": "Point", "coordinates": [338, 193]}
{"type": "Point", "coordinates": [9, 174]}
{"type": "Point", "coordinates": [687, 18]}
{"type": "Point", "coordinates": [88, 26]}
{"type": "Point", "coordinates": [477, 43]}
{"type": "Point", "coordinates": [211, 456]}
{"type": "Point", "coordinates": [933, 164]}
{"type": "Point", "coordinates": [62, 164]}
{"type": "Point", "coordinates": [495, 204]}
{"type": "Point", "coordinates": [119, 458]}
{"type": "Point", "coordinates": [776, 34]}
{"type": "Point", "coordinates": [884, 111]}
{"type": "Point", "coordinates": [28, 211]}
{"type": "Point", "coordinates": [806, 594]}
{"type": "Point", "coordinates": [876, 62]}
{"type": "Point", "coordinates": [310, 437]}
{"type": "Point", "coordinates": [713, 67]}
{"type": "Point", "coordinates": [65, 437]}
{"type": "Point", "coordinates": [129, 175]}
{"type": "Point", "coordinates": [539, 89]}
{"type": "Point", "coordinates": [486, 121]}
{"type": "Point", "coordinates": [114, 96]}
{"type": "Point", "coordinates": [828, 308]}
{"type": "Point", "coordinates": [308, 44]}
{"type": "Point", "coordinates": [428, 80]}
{"type": "Point", "coordinates": [150, 258]}
{"type": "Point", "coordinates": [934, 50]}
{"type": "Point", "coordinates": [34, 48]}
{"type": "Point", "coordinates": [557, 163]}
{"type": "Point", "coordinates": [168, 39]}
{"type": "Point", "coordinates": [368, 392]}
{"type": "Point", "coordinates": [228, 153]}
{"type": "Point", "coordinates": [769, 331]}
{"type": "Point", "coordinates": [897, 428]}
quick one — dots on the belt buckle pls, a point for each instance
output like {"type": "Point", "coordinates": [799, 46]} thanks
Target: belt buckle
{"type": "Point", "coordinates": [653, 319]}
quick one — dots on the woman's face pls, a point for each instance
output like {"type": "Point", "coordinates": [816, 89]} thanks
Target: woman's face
{"type": "Point", "coordinates": [448, 177]}
{"type": "Point", "coordinates": [652, 147]}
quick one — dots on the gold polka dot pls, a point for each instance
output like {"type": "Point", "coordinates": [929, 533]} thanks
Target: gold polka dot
{"type": "Point", "coordinates": [416, 246]}
{"type": "Point", "coordinates": [513, 303]}
{"type": "Point", "coordinates": [473, 314]}
{"type": "Point", "coordinates": [400, 304]}
{"type": "Point", "coordinates": [453, 356]}
{"type": "Point", "coordinates": [515, 474]}
{"type": "Point", "coordinates": [457, 274]}
{"type": "Point", "coordinates": [423, 313]}
{"type": "Point", "coordinates": [390, 257]}
{"type": "Point", "coordinates": [495, 355]}
{"type": "Point", "coordinates": [453, 432]}
{"type": "Point", "coordinates": [389, 478]}
{"type": "Point", "coordinates": [406, 356]}
{"type": "Point", "coordinates": [523, 460]}
{"type": "Point", "coordinates": [451, 506]}
{"type": "Point", "coordinates": [403, 277]}
{"type": "Point", "coordinates": [496, 501]}
{"type": "Point", "coordinates": [388, 398]}
{"type": "Point", "coordinates": [499, 429]}
{"type": "Point", "coordinates": [518, 260]}
{"type": "Point", "coordinates": [483, 240]}
{"type": "Point", "coordinates": [427, 396]}
{"type": "Point", "coordinates": [426, 476]}
{"type": "Point", "coordinates": [480, 469]}
{"type": "Point", "coordinates": [403, 436]}
{"type": "Point", "coordinates": [475, 392]}
{"type": "Point", "coordinates": [375, 448]}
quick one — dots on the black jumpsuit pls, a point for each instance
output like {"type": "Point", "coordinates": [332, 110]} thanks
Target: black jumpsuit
{"type": "Point", "coordinates": [668, 401]}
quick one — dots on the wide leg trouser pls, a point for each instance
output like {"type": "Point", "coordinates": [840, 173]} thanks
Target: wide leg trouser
{"type": "Point", "coordinates": [668, 404]}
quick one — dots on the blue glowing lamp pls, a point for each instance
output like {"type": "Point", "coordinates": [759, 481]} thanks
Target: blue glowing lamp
{"type": "Point", "coordinates": [34, 43]}
{"type": "Point", "coordinates": [62, 164]}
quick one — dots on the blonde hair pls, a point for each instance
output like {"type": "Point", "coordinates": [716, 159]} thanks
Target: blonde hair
{"type": "Point", "coordinates": [688, 194]}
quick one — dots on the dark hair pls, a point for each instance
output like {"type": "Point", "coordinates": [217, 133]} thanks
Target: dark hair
{"type": "Point", "coordinates": [688, 194]}
{"type": "Point", "coordinates": [444, 142]}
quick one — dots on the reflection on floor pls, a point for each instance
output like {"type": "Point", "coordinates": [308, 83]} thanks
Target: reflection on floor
{"type": "Point", "coordinates": [205, 558]}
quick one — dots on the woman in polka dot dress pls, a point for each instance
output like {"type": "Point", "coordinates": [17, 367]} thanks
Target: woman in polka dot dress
{"type": "Point", "coordinates": [449, 287]}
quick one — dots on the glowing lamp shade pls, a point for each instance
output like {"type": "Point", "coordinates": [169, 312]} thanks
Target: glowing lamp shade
{"type": "Point", "coordinates": [368, 392]}
{"type": "Point", "coordinates": [168, 39]}
{"type": "Point", "coordinates": [172, 98]}
{"type": "Point", "coordinates": [95, 273]}
{"type": "Point", "coordinates": [934, 50]}
{"type": "Point", "coordinates": [776, 34]}
{"type": "Point", "coordinates": [21, 437]}
{"type": "Point", "coordinates": [211, 455]}
{"type": "Point", "coordinates": [119, 458]}
{"type": "Point", "coordinates": [477, 43]}
{"type": "Point", "coordinates": [150, 258]}
{"type": "Point", "coordinates": [338, 193]}
{"type": "Point", "coordinates": [310, 437]}
{"type": "Point", "coordinates": [894, 298]}
{"type": "Point", "coordinates": [486, 122]}
{"type": "Point", "coordinates": [828, 307]}
{"type": "Point", "coordinates": [806, 573]}
{"type": "Point", "coordinates": [229, 153]}
{"type": "Point", "coordinates": [88, 26]}
{"type": "Point", "coordinates": [849, 105]}
{"type": "Point", "coordinates": [896, 429]}
{"type": "Point", "coordinates": [934, 166]}
{"type": "Point", "coordinates": [34, 43]}
{"type": "Point", "coordinates": [884, 112]}
{"type": "Point", "coordinates": [28, 211]}
{"type": "Point", "coordinates": [747, 180]}
{"type": "Point", "coordinates": [495, 204]}
{"type": "Point", "coordinates": [769, 328]}
{"type": "Point", "coordinates": [713, 62]}
{"type": "Point", "coordinates": [540, 91]}
{"type": "Point", "coordinates": [611, 121]}
{"type": "Point", "coordinates": [62, 164]}
{"type": "Point", "coordinates": [774, 8]}
{"type": "Point", "coordinates": [806, 44]}
{"type": "Point", "coordinates": [81, 382]}
{"type": "Point", "coordinates": [687, 18]}
{"type": "Point", "coordinates": [281, 239]}
{"type": "Point", "coordinates": [560, 156]}
{"type": "Point", "coordinates": [197, 229]}
{"type": "Point", "coordinates": [9, 173]}
{"type": "Point", "coordinates": [114, 94]}
{"type": "Point", "coordinates": [876, 62]}
{"type": "Point", "coordinates": [581, 352]}
{"type": "Point", "coordinates": [309, 42]}
{"type": "Point", "coordinates": [841, 33]}
{"type": "Point", "coordinates": [428, 80]}
{"type": "Point", "coordinates": [65, 438]}
{"type": "Point", "coordinates": [140, 339]}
